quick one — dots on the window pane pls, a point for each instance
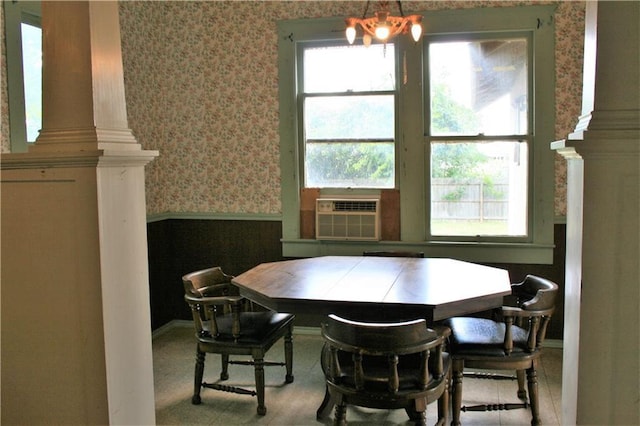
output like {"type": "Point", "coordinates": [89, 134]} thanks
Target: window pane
{"type": "Point", "coordinates": [479, 188]}
{"type": "Point", "coordinates": [32, 71]}
{"type": "Point", "coordinates": [350, 117]}
{"type": "Point", "coordinates": [354, 165]}
{"type": "Point", "coordinates": [349, 68]}
{"type": "Point", "coordinates": [479, 87]}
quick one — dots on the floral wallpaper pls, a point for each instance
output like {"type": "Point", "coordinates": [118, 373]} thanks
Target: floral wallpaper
{"type": "Point", "coordinates": [201, 83]}
{"type": "Point", "coordinates": [5, 143]}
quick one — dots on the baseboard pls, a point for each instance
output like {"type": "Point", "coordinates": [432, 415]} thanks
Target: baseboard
{"type": "Point", "coordinates": [553, 343]}
{"type": "Point", "coordinates": [313, 331]}
{"type": "Point", "coordinates": [170, 326]}
{"type": "Point", "coordinates": [309, 331]}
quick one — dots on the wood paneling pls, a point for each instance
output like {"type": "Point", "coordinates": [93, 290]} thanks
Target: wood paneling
{"type": "Point", "coordinates": [177, 247]}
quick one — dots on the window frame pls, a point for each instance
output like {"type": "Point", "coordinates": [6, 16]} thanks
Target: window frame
{"type": "Point", "coordinates": [411, 149]}
{"type": "Point", "coordinates": [16, 13]}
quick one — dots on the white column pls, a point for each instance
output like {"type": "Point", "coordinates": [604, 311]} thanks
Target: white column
{"type": "Point", "coordinates": [601, 375]}
{"type": "Point", "coordinates": [76, 332]}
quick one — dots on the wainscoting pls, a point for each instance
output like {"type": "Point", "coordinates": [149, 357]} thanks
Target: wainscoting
{"type": "Point", "coordinates": [179, 246]}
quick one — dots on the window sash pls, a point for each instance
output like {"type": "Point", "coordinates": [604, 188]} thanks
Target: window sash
{"type": "Point", "coordinates": [526, 137]}
{"type": "Point", "coordinates": [353, 131]}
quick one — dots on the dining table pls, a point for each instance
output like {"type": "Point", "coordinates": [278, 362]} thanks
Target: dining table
{"type": "Point", "coordinates": [375, 289]}
{"type": "Point", "coordinates": [380, 288]}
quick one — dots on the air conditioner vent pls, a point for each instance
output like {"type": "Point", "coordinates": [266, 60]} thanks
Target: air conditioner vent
{"type": "Point", "coordinates": [355, 206]}
{"type": "Point", "coordinates": [348, 219]}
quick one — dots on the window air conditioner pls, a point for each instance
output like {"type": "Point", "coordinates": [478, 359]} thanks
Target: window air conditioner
{"type": "Point", "coordinates": [356, 219]}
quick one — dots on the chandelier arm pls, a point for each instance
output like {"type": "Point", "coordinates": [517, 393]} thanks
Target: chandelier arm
{"type": "Point", "coordinates": [366, 9]}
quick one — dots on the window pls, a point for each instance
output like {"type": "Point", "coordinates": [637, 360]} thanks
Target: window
{"type": "Point", "coordinates": [478, 121]}
{"type": "Point", "coordinates": [460, 122]}
{"type": "Point", "coordinates": [24, 71]}
{"type": "Point", "coordinates": [348, 110]}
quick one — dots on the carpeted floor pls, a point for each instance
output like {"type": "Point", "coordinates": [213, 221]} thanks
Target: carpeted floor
{"type": "Point", "coordinates": [296, 403]}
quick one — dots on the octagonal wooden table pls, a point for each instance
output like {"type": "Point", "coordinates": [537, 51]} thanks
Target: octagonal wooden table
{"type": "Point", "coordinates": [375, 288]}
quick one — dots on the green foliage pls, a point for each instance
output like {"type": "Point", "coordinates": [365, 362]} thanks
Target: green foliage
{"type": "Point", "coordinates": [456, 160]}
{"type": "Point", "coordinates": [454, 195]}
{"type": "Point", "coordinates": [350, 162]}
{"type": "Point", "coordinates": [449, 117]}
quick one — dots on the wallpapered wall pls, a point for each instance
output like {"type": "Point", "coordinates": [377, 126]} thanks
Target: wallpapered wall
{"type": "Point", "coordinates": [201, 83]}
{"type": "Point", "coordinates": [5, 145]}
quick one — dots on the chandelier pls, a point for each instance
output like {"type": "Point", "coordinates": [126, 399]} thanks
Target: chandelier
{"type": "Point", "coordinates": [383, 25]}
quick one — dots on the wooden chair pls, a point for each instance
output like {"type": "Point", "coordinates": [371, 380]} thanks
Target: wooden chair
{"type": "Point", "coordinates": [225, 325]}
{"type": "Point", "coordinates": [386, 366]}
{"type": "Point", "coordinates": [393, 253]}
{"type": "Point", "coordinates": [514, 343]}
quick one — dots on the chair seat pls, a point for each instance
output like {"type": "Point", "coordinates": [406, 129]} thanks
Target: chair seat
{"type": "Point", "coordinates": [484, 337]}
{"type": "Point", "coordinates": [255, 327]}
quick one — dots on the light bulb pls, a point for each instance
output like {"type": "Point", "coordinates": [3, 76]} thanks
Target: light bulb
{"type": "Point", "coordinates": [351, 34]}
{"type": "Point", "coordinates": [416, 31]}
{"type": "Point", "coordinates": [382, 32]}
{"type": "Point", "coordinates": [366, 40]}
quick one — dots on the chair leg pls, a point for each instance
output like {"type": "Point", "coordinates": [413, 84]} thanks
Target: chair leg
{"type": "Point", "coordinates": [288, 355]}
{"type": "Point", "coordinates": [224, 374]}
{"type": "Point", "coordinates": [532, 384]}
{"type": "Point", "coordinates": [340, 418]}
{"type": "Point", "coordinates": [259, 372]}
{"type": "Point", "coordinates": [197, 377]}
{"type": "Point", "coordinates": [522, 393]}
{"type": "Point", "coordinates": [419, 412]}
{"type": "Point", "coordinates": [325, 407]}
{"type": "Point", "coordinates": [443, 401]}
{"type": "Point", "coordinates": [456, 391]}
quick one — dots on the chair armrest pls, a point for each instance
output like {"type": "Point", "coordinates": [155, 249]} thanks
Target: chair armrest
{"type": "Point", "coordinates": [543, 300]}
{"type": "Point", "coordinates": [213, 300]}
{"type": "Point", "coordinates": [524, 313]}
{"type": "Point", "coordinates": [224, 289]}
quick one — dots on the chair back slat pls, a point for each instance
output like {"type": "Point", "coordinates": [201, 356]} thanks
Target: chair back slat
{"type": "Point", "coordinates": [437, 367]}
{"type": "Point", "coordinates": [358, 371]}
